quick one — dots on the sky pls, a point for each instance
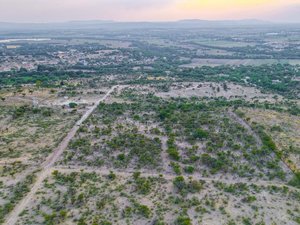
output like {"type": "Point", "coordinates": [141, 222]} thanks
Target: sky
{"type": "Point", "coordinates": [148, 10]}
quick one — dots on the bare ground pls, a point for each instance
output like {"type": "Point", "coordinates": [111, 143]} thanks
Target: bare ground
{"type": "Point", "coordinates": [46, 166]}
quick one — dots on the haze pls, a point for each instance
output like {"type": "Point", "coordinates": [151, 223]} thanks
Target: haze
{"type": "Point", "coordinates": [144, 10]}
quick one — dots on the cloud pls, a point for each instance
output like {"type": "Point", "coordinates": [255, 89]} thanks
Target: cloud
{"type": "Point", "coordinates": [66, 10]}
{"type": "Point", "coordinates": [223, 4]}
{"type": "Point", "coordinates": [58, 10]}
{"type": "Point", "coordinates": [140, 4]}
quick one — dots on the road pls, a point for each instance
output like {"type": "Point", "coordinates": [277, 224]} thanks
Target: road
{"type": "Point", "coordinates": [48, 167]}
{"type": "Point", "coordinates": [50, 161]}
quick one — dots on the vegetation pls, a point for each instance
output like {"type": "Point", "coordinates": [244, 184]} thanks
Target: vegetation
{"type": "Point", "coordinates": [202, 126]}
{"type": "Point", "coordinates": [16, 194]}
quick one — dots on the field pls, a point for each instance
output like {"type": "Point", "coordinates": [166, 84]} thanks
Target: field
{"type": "Point", "coordinates": [70, 197]}
{"type": "Point", "coordinates": [149, 155]}
{"type": "Point", "coordinates": [150, 123]}
{"type": "Point", "coordinates": [252, 62]}
{"type": "Point", "coordinates": [33, 122]}
{"type": "Point", "coordinates": [222, 43]}
{"type": "Point", "coordinates": [141, 159]}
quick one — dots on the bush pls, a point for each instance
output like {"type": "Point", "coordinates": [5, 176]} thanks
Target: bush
{"type": "Point", "coordinates": [194, 186]}
{"type": "Point", "coordinates": [267, 140]}
{"type": "Point", "coordinates": [143, 185]}
{"type": "Point", "coordinates": [146, 150]}
{"type": "Point", "coordinates": [215, 164]}
{"type": "Point", "coordinates": [296, 180]}
{"type": "Point", "coordinates": [143, 210]}
{"type": "Point", "coordinates": [249, 199]}
{"type": "Point", "coordinates": [72, 105]}
{"type": "Point", "coordinates": [189, 169]}
{"type": "Point", "coordinates": [173, 153]}
{"type": "Point", "coordinates": [176, 168]}
{"type": "Point", "coordinates": [111, 176]}
{"type": "Point", "coordinates": [183, 220]}
{"type": "Point", "coordinates": [105, 222]}
{"type": "Point", "coordinates": [121, 157]}
{"type": "Point", "coordinates": [200, 134]}
{"type": "Point", "coordinates": [158, 222]}
{"type": "Point", "coordinates": [17, 193]}
{"type": "Point", "coordinates": [179, 183]}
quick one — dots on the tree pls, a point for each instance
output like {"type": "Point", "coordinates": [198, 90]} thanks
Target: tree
{"type": "Point", "coordinates": [183, 220]}
{"type": "Point", "coordinates": [296, 180]}
{"type": "Point", "coordinates": [200, 134]}
{"type": "Point", "coordinates": [225, 87]}
{"type": "Point", "coordinates": [38, 83]}
{"type": "Point", "coordinates": [72, 105]}
{"type": "Point", "coordinates": [143, 210]}
{"type": "Point", "coordinates": [111, 175]}
{"type": "Point", "coordinates": [179, 183]}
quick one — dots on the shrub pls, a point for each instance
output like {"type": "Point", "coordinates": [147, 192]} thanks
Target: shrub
{"type": "Point", "coordinates": [179, 183]}
{"type": "Point", "coordinates": [111, 176]}
{"type": "Point", "coordinates": [249, 199]}
{"type": "Point", "coordinates": [173, 153]}
{"type": "Point", "coordinates": [143, 185]}
{"type": "Point", "coordinates": [176, 168]}
{"type": "Point", "coordinates": [72, 105]}
{"type": "Point", "coordinates": [183, 220]}
{"type": "Point", "coordinates": [105, 222]}
{"type": "Point", "coordinates": [158, 222]}
{"type": "Point", "coordinates": [121, 157]}
{"type": "Point", "coordinates": [296, 180]}
{"type": "Point", "coordinates": [194, 186]}
{"type": "Point", "coordinates": [215, 164]}
{"type": "Point", "coordinates": [189, 169]}
{"type": "Point", "coordinates": [143, 210]}
{"type": "Point", "coordinates": [200, 134]}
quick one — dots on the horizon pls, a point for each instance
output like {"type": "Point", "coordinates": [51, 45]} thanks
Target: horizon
{"type": "Point", "coordinates": [246, 20]}
{"type": "Point", "coordinates": [55, 11]}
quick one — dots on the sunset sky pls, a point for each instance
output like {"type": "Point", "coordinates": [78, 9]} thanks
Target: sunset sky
{"type": "Point", "coordinates": [148, 10]}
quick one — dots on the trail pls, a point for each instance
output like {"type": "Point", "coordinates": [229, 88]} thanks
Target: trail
{"type": "Point", "coordinates": [258, 140]}
{"type": "Point", "coordinates": [247, 127]}
{"type": "Point", "coordinates": [50, 161]}
{"type": "Point", "coordinates": [47, 167]}
{"type": "Point", "coordinates": [129, 173]}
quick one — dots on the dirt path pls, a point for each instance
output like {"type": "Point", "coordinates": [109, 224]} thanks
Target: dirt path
{"type": "Point", "coordinates": [47, 166]}
{"type": "Point", "coordinates": [164, 154]}
{"type": "Point", "coordinates": [49, 162]}
{"type": "Point", "coordinates": [167, 176]}
{"type": "Point", "coordinates": [247, 127]}
{"type": "Point", "coordinates": [234, 116]}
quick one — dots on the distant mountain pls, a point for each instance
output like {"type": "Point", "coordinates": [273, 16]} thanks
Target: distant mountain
{"type": "Point", "coordinates": [90, 21]}
{"type": "Point", "coordinates": [57, 25]}
{"type": "Point", "coordinates": [229, 22]}
{"type": "Point", "coordinates": [109, 24]}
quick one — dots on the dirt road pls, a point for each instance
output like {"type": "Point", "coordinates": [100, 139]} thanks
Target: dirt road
{"type": "Point", "coordinates": [247, 127]}
{"type": "Point", "coordinates": [258, 140]}
{"type": "Point", "coordinates": [50, 161]}
{"type": "Point", "coordinates": [129, 173]}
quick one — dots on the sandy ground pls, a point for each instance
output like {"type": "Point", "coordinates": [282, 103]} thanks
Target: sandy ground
{"type": "Point", "coordinates": [46, 166]}
{"type": "Point", "coordinates": [215, 90]}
